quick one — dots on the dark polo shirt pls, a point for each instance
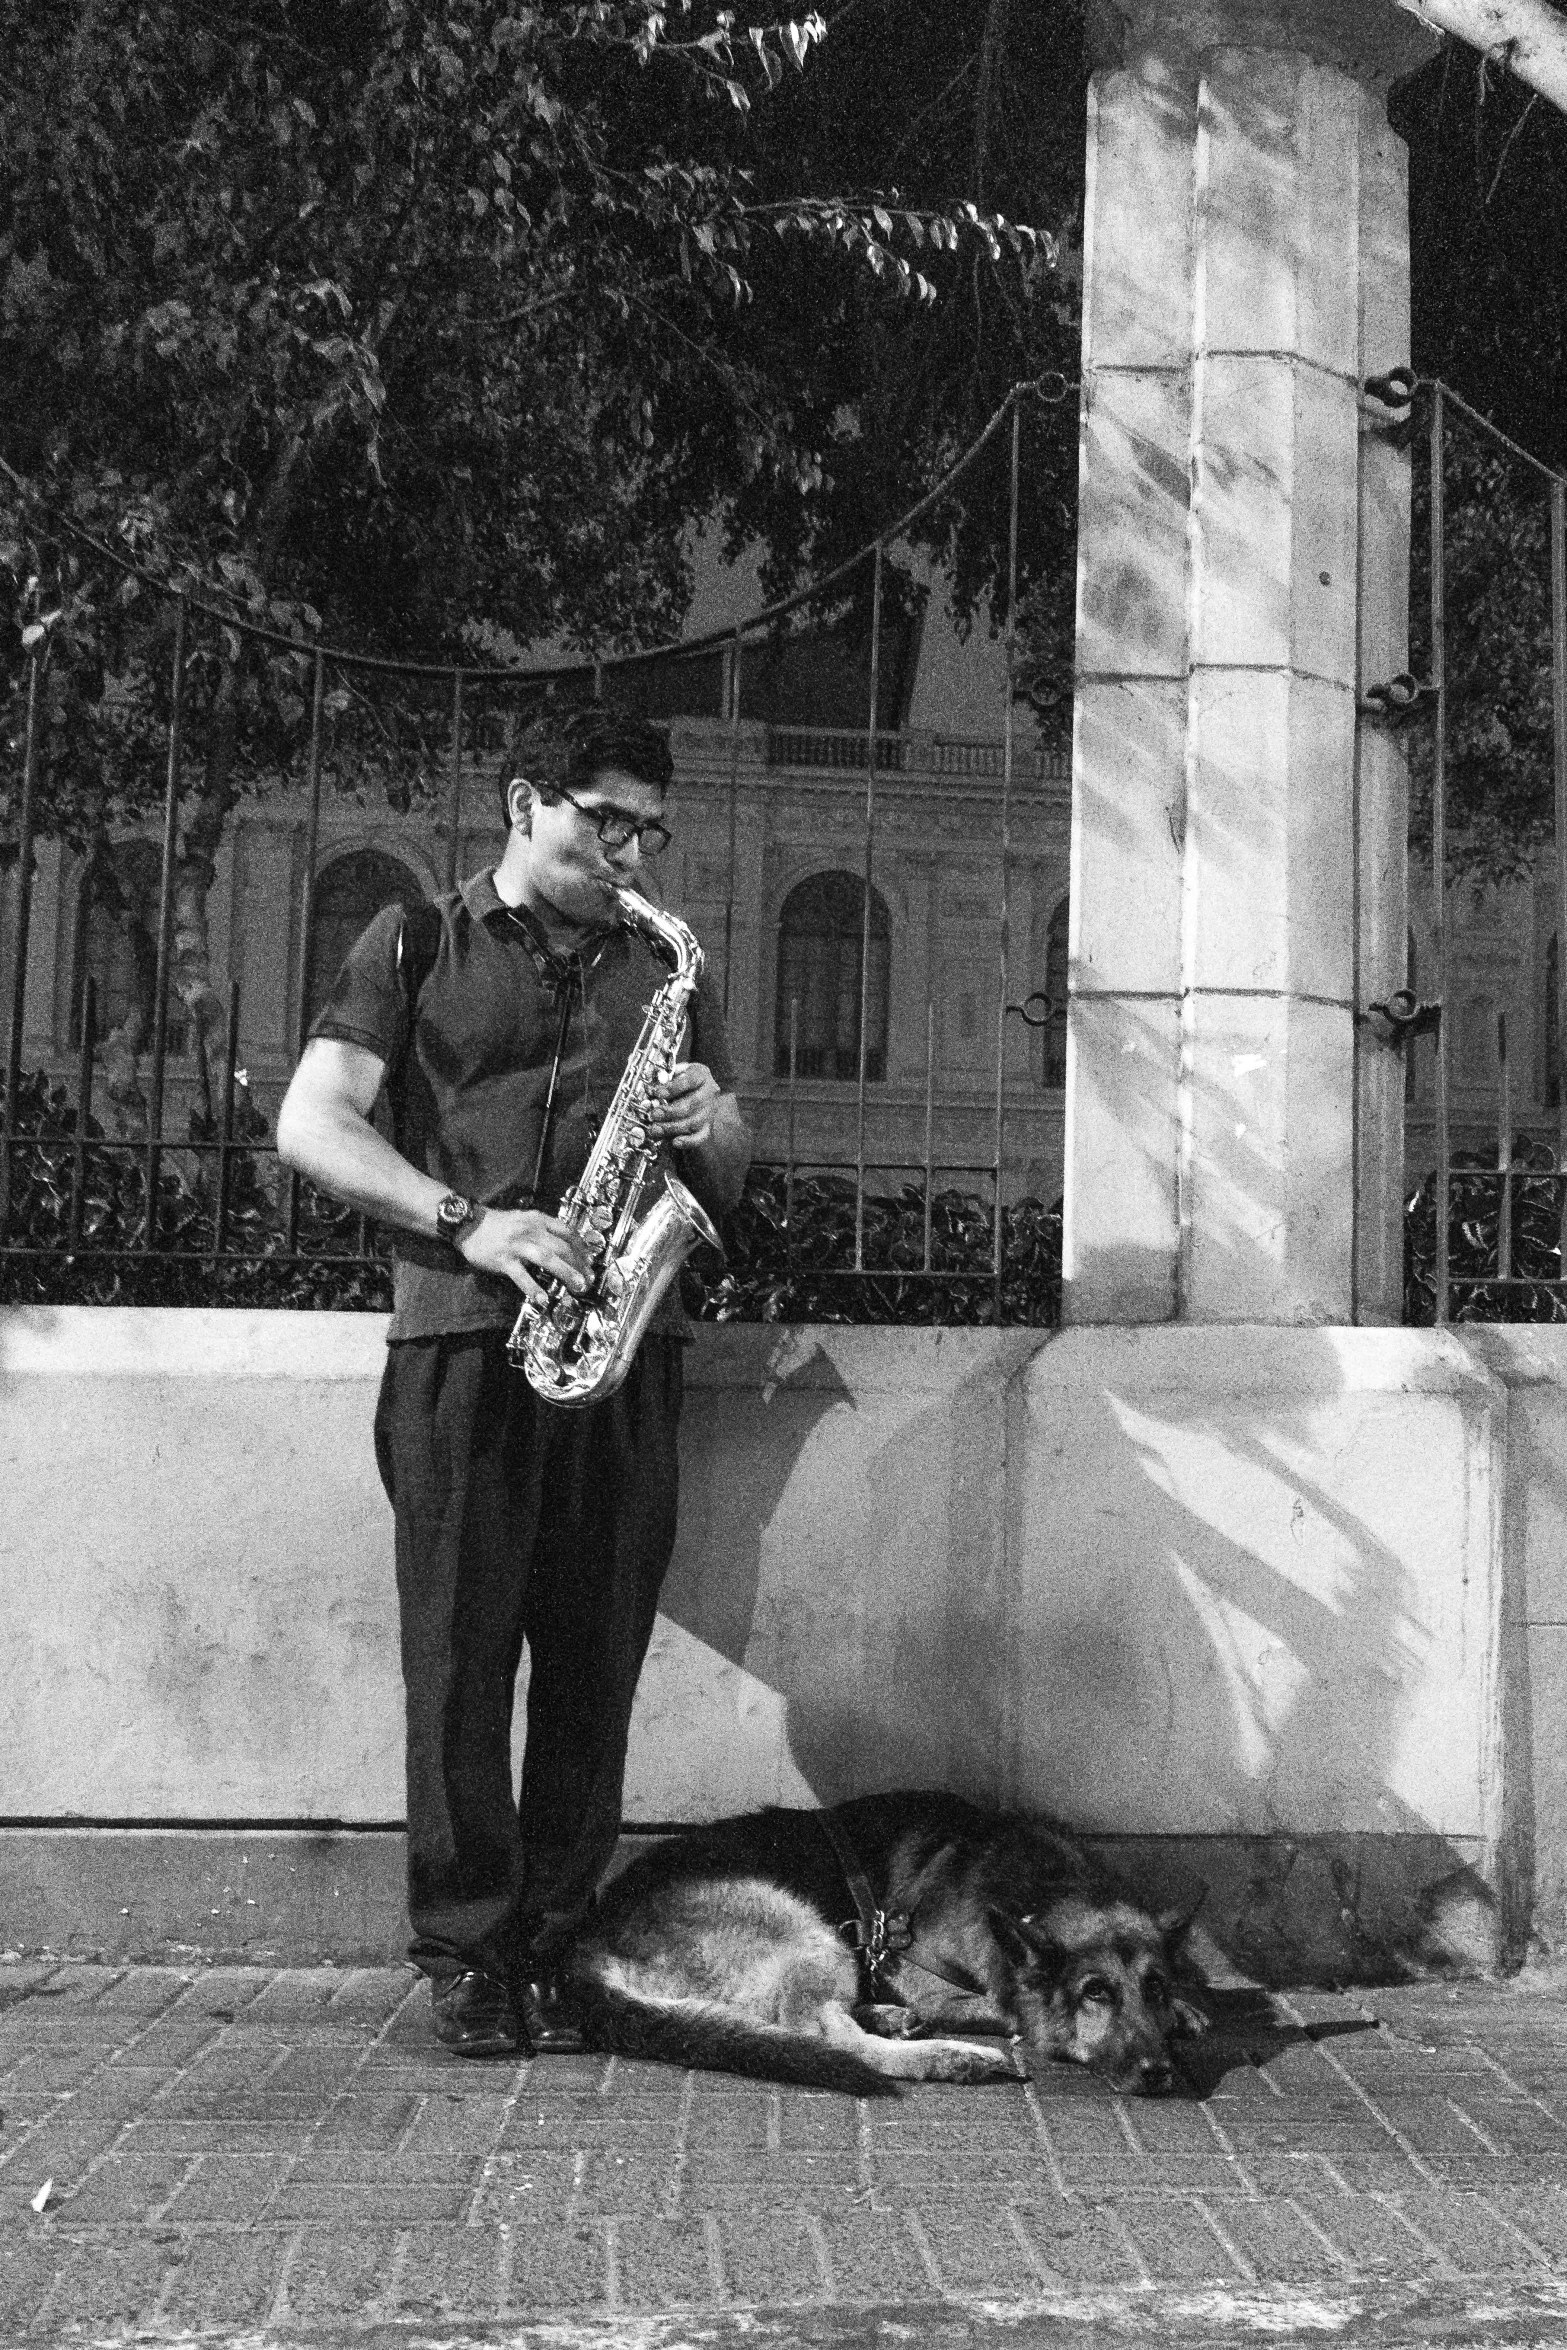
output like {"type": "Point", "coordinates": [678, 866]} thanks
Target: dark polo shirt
{"type": "Point", "coordinates": [468, 1075]}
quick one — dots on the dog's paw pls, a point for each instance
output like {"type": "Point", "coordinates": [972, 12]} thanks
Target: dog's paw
{"type": "Point", "coordinates": [970, 2064]}
{"type": "Point", "coordinates": [889, 2022]}
{"type": "Point", "coordinates": [1187, 2021]}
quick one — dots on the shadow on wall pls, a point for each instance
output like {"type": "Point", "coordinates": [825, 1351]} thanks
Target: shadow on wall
{"type": "Point", "coordinates": [1220, 1597]}
{"type": "Point", "coordinates": [1258, 1634]}
{"type": "Point", "coordinates": [841, 1540]}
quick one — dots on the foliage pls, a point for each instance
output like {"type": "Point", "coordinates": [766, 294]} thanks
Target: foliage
{"type": "Point", "coordinates": [791, 1257]}
{"type": "Point", "coordinates": [101, 1259]}
{"type": "Point", "coordinates": [1497, 639]}
{"type": "Point", "coordinates": [410, 325]}
{"type": "Point", "coordinates": [1536, 1202]}
{"type": "Point", "coordinates": [777, 1268]}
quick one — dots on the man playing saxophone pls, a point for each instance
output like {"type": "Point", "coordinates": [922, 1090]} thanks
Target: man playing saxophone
{"type": "Point", "coordinates": [500, 1020]}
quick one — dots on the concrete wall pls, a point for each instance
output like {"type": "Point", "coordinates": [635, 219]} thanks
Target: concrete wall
{"type": "Point", "coordinates": [1281, 1610]}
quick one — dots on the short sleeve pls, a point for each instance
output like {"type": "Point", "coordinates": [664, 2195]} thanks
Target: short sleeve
{"type": "Point", "coordinates": [367, 1004]}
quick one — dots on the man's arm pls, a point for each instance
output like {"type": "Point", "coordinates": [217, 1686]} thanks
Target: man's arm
{"type": "Point", "coordinates": [324, 1130]}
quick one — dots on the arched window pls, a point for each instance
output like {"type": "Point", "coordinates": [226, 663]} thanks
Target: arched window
{"type": "Point", "coordinates": [1055, 994]}
{"type": "Point", "coordinates": [117, 945]}
{"type": "Point", "coordinates": [349, 893]}
{"type": "Point", "coordinates": [820, 938]}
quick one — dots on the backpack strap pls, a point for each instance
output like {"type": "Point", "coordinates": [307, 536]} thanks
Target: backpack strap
{"type": "Point", "coordinates": [418, 944]}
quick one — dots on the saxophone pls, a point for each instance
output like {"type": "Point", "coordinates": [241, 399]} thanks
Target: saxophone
{"type": "Point", "coordinates": [577, 1350]}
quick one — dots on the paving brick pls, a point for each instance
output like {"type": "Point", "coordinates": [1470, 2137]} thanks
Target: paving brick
{"type": "Point", "coordinates": [1369, 2233]}
{"type": "Point", "coordinates": [767, 2256]}
{"type": "Point", "coordinates": [1014, 2172]}
{"type": "Point", "coordinates": [1273, 2239]}
{"type": "Point", "coordinates": [871, 2256]}
{"type": "Point", "coordinates": [1541, 2211]}
{"type": "Point", "coordinates": [1177, 2245]}
{"type": "Point", "coordinates": [107, 2280]}
{"type": "Point", "coordinates": [64, 2067]}
{"type": "Point", "coordinates": [232, 2188]}
{"type": "Point", "coordinates": [1131, 2174]}
{"type": "Point", "coordinates": [1080, 2242]}
{"type": "Point", "coordinates": [453, 2272]}
{"type": "Point", "coordinates": [1516, 2123]}
{"type": "Point", "coordinates": [531, 2193]}
{"type": "Point", "coordinates": [665, 2266]}
{"type": "Point", "coordinates": [788, 2177]}
{"type": "Point", "coordinates": [339, 2271]}
{"type": "Point", "coordinates": [611, 2183]}
{"type": "Point", "coordinates": [225, 2281]}
{"type": "Point", "coordinates": [356, 2165]}
{"type": "Point", "coordinates": [125, 2187]}
{"type": "Point", "coordinates": [1168, 2126]}
{"type": "Point", "coordinates": [1381, 2171]}
{"type": "Point", "coordinates": [60, 2151]}
{"type": "Point", "coordinates": [975, 2246]}
{"type": "Point", "coordinates": [366, 2121]}
{"type": "Point", "coordinates": [121, 2090]}
{"type": "Point", "coordinates": [144, 1990]}
{"type": "Point", "coordinates": [366, 2203]}
{"type": "Point", "coordinates": [556, 2268]}
{"type": "Point", "coordinates": [27, 2270]}
{"type": "Point", "coordinates": [275, 2136]}
{"type": "Point", "coordinates": [1465, 2227]}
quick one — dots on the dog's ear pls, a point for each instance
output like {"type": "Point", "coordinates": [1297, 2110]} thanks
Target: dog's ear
{"type": "Point", "coordinates": [1026, 1940]}
{"type": "Point", "coordinates": [1012, 1933]}
{"type": "Point", "coordinates": [1175, 1924]}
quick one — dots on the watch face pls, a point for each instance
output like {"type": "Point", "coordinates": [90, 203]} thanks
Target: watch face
{"type": "Point", "coordinates": [453, 1213]}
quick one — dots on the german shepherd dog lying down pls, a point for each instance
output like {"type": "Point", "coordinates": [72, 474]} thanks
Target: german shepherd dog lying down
{"type": "Point", "coordinates": [729, 1947]}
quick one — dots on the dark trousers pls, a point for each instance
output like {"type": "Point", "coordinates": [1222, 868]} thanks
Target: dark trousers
{"type": "Point", "coordinates": [517, 1520]}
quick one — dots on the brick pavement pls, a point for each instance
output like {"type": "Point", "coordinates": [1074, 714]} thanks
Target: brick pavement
{"type": "Point", "coordinates": [285, 2156]}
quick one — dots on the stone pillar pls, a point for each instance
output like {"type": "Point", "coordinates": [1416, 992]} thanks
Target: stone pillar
{"type": "Point", "coordinates": [1246, 248]}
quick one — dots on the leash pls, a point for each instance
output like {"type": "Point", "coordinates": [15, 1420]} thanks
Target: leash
{"type": "Point", "coordinates": [880, 1935]}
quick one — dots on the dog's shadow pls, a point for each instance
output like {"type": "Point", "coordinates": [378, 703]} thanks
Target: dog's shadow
{"type": "Point", "coordinates": [1245, 2034]}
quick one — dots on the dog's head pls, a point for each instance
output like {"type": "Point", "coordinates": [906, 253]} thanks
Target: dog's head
{"type": "Point", "coordinates": [1096, 1986]}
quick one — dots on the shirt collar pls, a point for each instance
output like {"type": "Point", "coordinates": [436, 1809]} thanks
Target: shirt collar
{"type": "Point", "coordinates": [556, 965]}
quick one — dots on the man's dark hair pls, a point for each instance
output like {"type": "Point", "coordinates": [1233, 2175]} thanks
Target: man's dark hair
{"type": "Point", "coordinates": [570, 751]}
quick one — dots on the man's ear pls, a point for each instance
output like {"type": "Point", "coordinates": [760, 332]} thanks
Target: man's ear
{"type": "Point", "coordinates": [519, 803]}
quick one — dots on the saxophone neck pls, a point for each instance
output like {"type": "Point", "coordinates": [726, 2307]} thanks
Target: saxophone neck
{"type": "Point", "coordinates": [666, 932]}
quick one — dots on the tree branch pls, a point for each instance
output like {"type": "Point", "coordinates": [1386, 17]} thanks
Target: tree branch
{"type": "Point", "coordinates": [1530, 36]}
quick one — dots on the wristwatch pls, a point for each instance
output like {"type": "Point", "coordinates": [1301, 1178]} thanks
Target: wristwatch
{"type": "Point", "coordinates": [454, 1214]}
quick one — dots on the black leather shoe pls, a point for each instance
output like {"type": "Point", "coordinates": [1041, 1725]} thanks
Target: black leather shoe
{"type": "Point", "coordinates": [476, 2015]}
{"type": "Point", "coordinates": [550, 2016]}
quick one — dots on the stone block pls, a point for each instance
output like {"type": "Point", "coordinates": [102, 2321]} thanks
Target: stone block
{"type": "Point", "coordinates": [1269, 1171]}
{"type": "Point", "coordinates": [1128, 817]}
{"type": "Point", "coordinates": [1277, 155]}
{"type": "Point", "coordinates": [1274, 483]}
{"type": "Point", "coordinates": [1134, 494]}
{"type": "Point", "coordinates": [1137, 225]}
{"type": "Point", "coordinates": [1119, 1261]}
{"type": "Point", "coordinates": [1269, 868]}
{"type": "Point", "coordinates": [1259, 1592]}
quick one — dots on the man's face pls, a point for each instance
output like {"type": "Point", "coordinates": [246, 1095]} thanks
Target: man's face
{"type": "Point", "coordinates": [569, 867]}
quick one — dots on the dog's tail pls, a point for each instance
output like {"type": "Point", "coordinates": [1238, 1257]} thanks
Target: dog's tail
{"type": "Point", "coordinates": [700, 2033]}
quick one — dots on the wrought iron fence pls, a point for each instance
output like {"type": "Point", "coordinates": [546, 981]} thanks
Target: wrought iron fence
{"type": "Point", "coordinates": [210, 1215]}
{"type": "Point", "coordinates": [1485, 703]}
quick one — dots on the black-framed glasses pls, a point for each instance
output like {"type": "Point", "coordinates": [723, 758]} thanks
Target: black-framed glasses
{"type": "Point", "coordinates": [614, 827]}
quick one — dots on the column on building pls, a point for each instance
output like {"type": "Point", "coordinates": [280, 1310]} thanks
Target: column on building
{"type": "Point", "coordinates": [1237, 837]}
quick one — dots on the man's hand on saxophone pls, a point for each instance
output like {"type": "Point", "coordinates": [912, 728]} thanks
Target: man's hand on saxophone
{"type": "Point", "coordinates": [683, 1114]}
{"type": "Point", "coordinates": [520, 1243]}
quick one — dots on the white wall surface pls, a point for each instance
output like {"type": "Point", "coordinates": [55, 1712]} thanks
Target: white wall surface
{"type": "Point", "coordinates": [1170, 1580]}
